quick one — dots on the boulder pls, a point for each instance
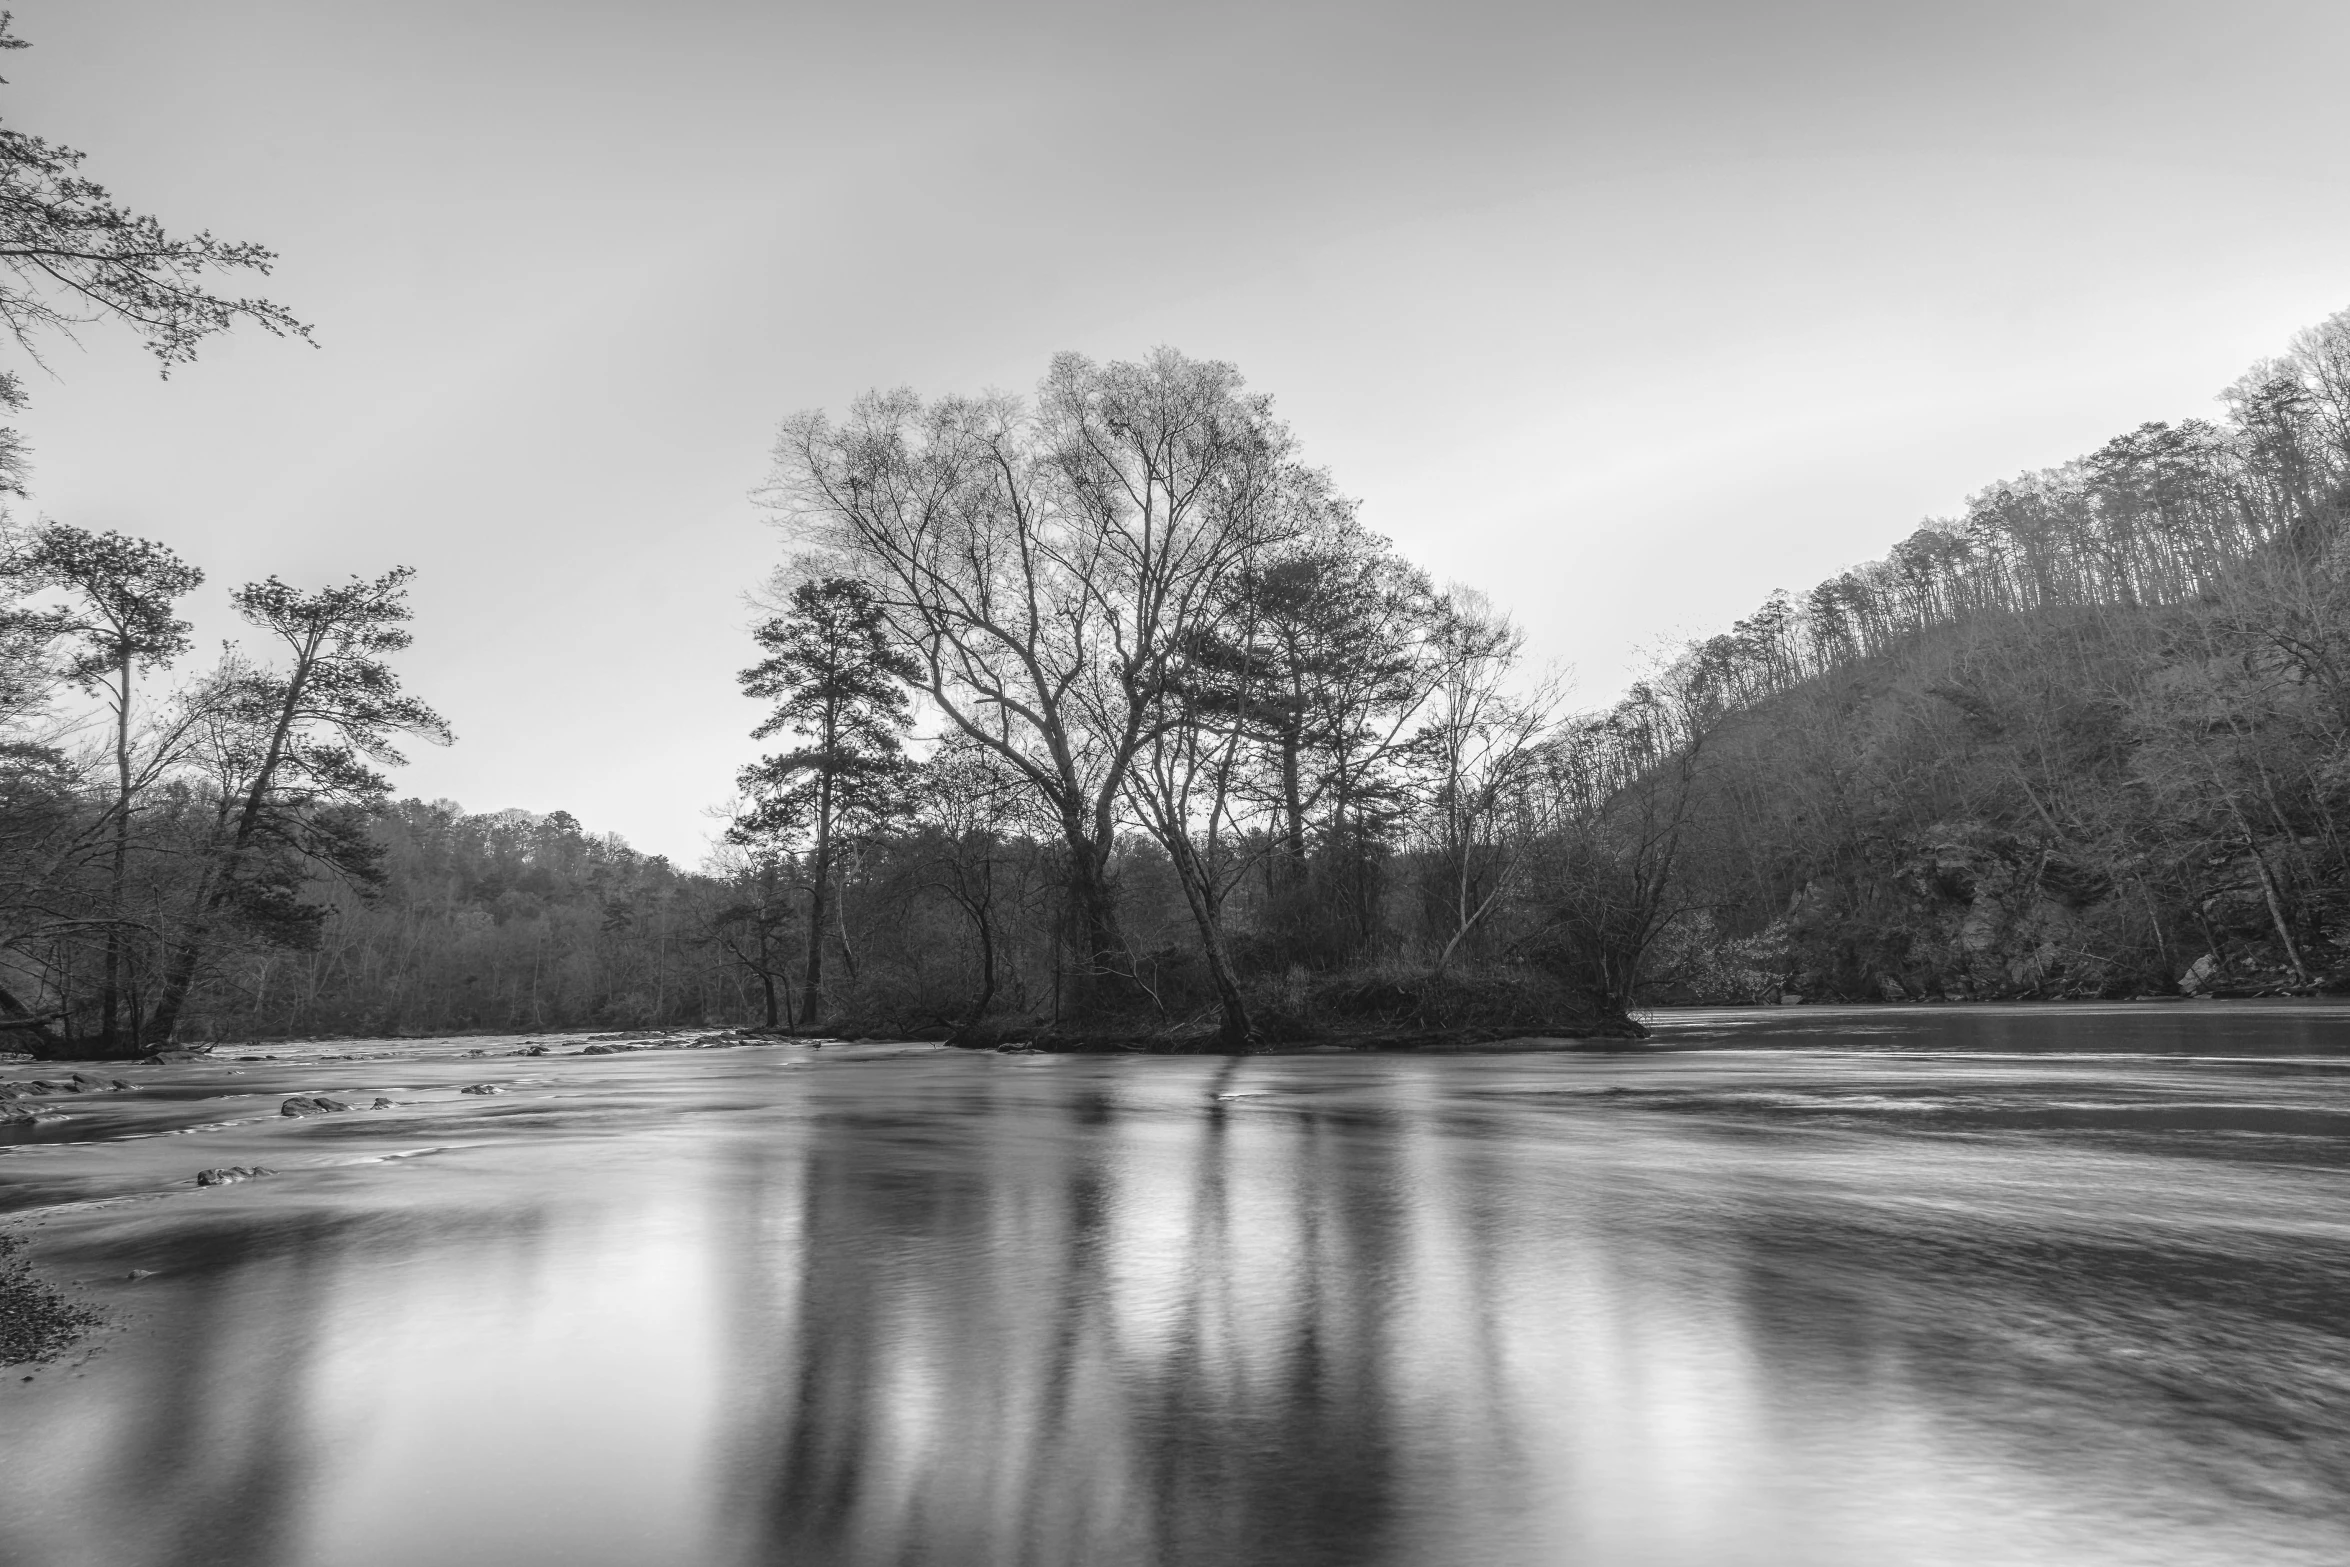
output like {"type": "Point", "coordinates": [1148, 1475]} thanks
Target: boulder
{"type": "Point", "coordinates": [231, 1174]}
{"type": "Point", "coordinates": [2199, 975]}
{"type": "Point", "coordinates": [481, 1088]}
{"type": "Point", "coordinates": [381, 1103]}
{"type": "Point", "coordinates": [311, 1104]}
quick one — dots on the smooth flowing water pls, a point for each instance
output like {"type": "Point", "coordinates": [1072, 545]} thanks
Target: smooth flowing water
{"type": "Point", "coordinates": [1886, 1286]}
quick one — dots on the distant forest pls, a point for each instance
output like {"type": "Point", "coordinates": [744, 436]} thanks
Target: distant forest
{"type": "Point", "coordinates": [1100, 713]}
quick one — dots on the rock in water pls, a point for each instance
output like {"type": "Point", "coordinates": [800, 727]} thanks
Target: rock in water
{"type": "Point", "coordinates": [231, 1174]}
{"type": "Point", "coordinates": [481, 1088]}
{"type": "Point", "coordinates": [311, 1104]}
{"type": "Point", "coordinates": [381, 1103]}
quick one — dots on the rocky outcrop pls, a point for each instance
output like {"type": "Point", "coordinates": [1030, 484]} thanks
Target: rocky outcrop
{"type": "Point", "coordinates": [14, 1096]}
{"type": "Point", "coordinates": [230, 1175]}
{"type": "Point", "coordinates": [1965, 909]}
{"type": "Point", "coordinates": [78, 1083]}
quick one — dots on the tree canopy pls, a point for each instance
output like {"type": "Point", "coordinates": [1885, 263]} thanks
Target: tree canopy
{"type": "Point", "coordinates": [71, 254]}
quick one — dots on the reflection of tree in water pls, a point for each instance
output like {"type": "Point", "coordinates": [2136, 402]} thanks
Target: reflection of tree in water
{"type": "Point", "coordinates": [948, 1355]}
{"type": "Point", "coordinates": [2197, 1375]}
{"type": "Point", "coordinates": [213, 1448]}
{"type": "Point", "coordinates": [206, 1460]}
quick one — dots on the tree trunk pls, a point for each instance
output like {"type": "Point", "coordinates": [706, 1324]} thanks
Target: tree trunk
{"type": "Point", "coordinates": [16, 1018]}
{"type": "Point", "coordinates": [2276, 911]}
{"type": "Point", "coordinates": [980, 906]}
{"type": "Point", "coordinates": [110, 994]}
{"type": "Point", "coordinates": [986, 995]}
{"type": "Point", "coordinates": [819, 883]}
{"type": "Point", "coordinates": [181, 976]}
{"type": "Point", "coordinates": [1100, 981]}
{"type": "Point", "coordinates": [1293, 811]}
{"type": "Point", "coordinates": [2268, 891]}
{"type": "Point", "coordinates": [1237, 1031]}
{"type": "Point", "coordinates": [840, 928]}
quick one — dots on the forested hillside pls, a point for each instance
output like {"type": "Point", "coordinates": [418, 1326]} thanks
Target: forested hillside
{"type": "Point", "coordinates": [499, 921]}
{"type": "Point", "coordinates": [2086, 739]}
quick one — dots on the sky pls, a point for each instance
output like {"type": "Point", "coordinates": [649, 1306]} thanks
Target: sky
{"type": "Point", "coordinates": [1625, 314]}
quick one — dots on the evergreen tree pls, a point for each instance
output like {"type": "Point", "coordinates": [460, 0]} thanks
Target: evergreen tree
{"type": "Point", "coordinates": [118, 617]}
{"type": "Point", "coordinates": [840, 684]}
{"type": "Point", "coordinates": [290, 752]}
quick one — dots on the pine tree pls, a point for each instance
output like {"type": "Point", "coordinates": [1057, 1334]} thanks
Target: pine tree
{"type": "Point", "coordinates": [291, 750]}
{"type": "Point", "coordinates": [839, 684]}
{"type": "Point", "coordinates": [119, 617]}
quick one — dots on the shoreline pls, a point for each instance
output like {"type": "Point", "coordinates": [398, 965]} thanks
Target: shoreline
{"type": "Point", "coordinates": [1627, 1034]}
{"type": "Point", "coordinates": [37, 1322]}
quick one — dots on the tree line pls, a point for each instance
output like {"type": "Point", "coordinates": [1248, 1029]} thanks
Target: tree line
{"type": "Point", "coordinates": [131, 869]}
{"type": "Point", "coordinates": [1105, 716]}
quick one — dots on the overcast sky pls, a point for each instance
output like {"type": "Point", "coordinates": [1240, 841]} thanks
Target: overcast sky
{"type": "Point", "coordinates": [1625, 313]}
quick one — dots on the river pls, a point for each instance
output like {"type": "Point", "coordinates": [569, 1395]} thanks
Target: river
{"type": "Point", "coordinates": [1799, 1288]}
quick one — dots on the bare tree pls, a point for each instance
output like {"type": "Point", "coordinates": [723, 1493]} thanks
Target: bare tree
{"type": "Point", "coordinates": [1481, 753]}
{"type": "Point", "coordinates": [70, 253]}
{"type": "Point", "coordinates": [972, 802]}
{"type": "Point", "coordinates": [1049, 566]}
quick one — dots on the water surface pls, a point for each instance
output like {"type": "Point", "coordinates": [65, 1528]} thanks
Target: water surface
{"type": "Point", "coordinates": [1870, 1286]}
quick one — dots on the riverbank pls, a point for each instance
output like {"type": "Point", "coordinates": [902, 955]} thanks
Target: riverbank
{"type": "Point", "coordinates": [37, 1324]}
{"type": "Point", "coordinates": [1372, 1011]}
{"type": "Point", "coordinates": [1115, 1036]}
{"type": "Point", "coordinates": [1389, 1008]}
{"type": "Point", "coordinates": [1286, 1036]}
{"type": "Point", "coordinates": [1365, 1039]}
